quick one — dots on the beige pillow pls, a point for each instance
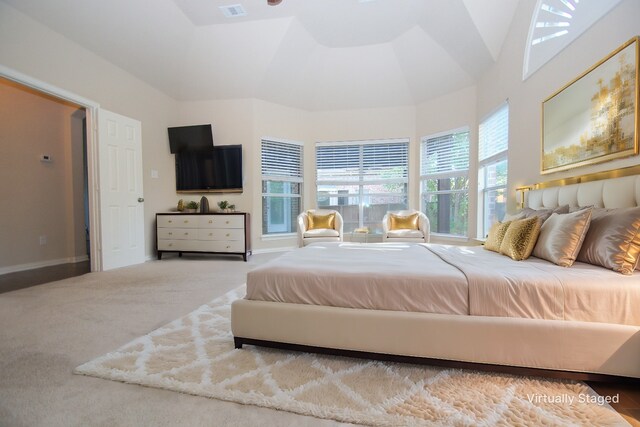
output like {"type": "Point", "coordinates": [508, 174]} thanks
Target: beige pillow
{"type": "Point", "coordinates": [613, 239]}
{"type": "Point", "coordinates": [496, 235]}
{"type": "Point", "coordinates": [520, 238]}
{"type": "Point", "coordinates": [513, 217]}
{"type": "Point", "coordinates": [561, 237]}
{"type": "Point", "coordinates": [321, 221]}
{"type": "Point", "coordinates": [544, 214]}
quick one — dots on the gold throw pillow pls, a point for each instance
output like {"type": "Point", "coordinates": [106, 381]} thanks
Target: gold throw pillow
{"type": "Point", "coordinates": [321, 221]}
{"type": "Point", "coordinates": [399, 222]}
{"type": "Point", "coordinates": [496, 236]}
{"type": "Point", "coordinates": [520, 238]}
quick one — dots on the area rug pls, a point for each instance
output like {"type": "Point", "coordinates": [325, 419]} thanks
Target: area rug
{"type": "Point", "coordinates": [195, 355]}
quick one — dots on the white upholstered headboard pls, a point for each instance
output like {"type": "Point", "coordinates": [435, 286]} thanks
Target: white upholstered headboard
{"type": "Point", "coordinates": [606, 193]}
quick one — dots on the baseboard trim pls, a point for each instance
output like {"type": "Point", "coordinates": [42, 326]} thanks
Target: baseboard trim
{"type": "Point", "coordinates": [40, 264]}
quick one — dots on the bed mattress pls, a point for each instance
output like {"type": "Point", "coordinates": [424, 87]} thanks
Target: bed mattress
{"type": "Point", "coordinates": [446, 280]}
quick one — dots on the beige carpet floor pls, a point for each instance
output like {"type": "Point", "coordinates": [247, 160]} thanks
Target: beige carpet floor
{"type": "Point", "coordinates": [50, 329]}
{"type": "Point", "coordinates": [195, 355]}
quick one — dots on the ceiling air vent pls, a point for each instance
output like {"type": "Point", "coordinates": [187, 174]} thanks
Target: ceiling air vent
{"type": "Point", "coordinates": [233, 10]}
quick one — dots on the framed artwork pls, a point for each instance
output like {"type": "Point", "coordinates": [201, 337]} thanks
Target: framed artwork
{"type": "Point", "coordinates": [594, 118]}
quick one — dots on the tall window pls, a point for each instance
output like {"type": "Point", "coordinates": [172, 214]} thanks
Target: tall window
{"type": "Point", "coordinates": [362, 180]}
{"type": "Point", "coordinates": [281, 186]}
{"type": "Point", "coordinates": [444, 181]}
{"type": "Point", "coordinates": [492, 168]}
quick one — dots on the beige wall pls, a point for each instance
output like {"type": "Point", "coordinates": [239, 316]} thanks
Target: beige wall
{"type": "Point", "coordinates": [33, 49]}
{"type": "Point", "coordinates": [247, 121]}
{"type": "Point", "coordinates": [29, 47]}
{"type": "Point", "coordinates": [504, 81]}
{"type": "Point", "coordinates": [40, 199]}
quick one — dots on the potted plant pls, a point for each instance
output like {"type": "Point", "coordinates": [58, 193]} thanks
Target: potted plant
{"type": "Point", "coordinates": [225, 206]}
{"type": "Point", "coordinates": [191, 206]}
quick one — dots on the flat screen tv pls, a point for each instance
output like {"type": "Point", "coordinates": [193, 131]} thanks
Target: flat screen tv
{"type": "Point", "coordinates": [216, 170]}
{"type": "Point", "coordinates": [190, 138]}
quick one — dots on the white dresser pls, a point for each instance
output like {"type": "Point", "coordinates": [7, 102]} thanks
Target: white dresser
{"type": "Point", "coordinates": [216, 233]}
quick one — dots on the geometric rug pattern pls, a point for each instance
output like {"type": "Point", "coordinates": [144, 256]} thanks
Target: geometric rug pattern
{"type": "Point", "coordinates": [195, 355]}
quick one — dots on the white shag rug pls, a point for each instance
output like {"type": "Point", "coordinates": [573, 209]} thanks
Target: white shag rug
{"type": "Point", "coordinates": [195, 355]}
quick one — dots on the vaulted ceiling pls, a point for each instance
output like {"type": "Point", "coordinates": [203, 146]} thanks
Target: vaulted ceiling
{"type": "Point", "coordinates": [310, 54]}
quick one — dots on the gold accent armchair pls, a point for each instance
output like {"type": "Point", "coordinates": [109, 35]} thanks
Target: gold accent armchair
{"type": "Point", "coordinates": [307, 236]}
{"type": "Point", "coordinates": [421, 234]}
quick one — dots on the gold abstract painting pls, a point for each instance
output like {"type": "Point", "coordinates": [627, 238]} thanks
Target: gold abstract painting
{"type": "Point", "coordinates": [594, 118]}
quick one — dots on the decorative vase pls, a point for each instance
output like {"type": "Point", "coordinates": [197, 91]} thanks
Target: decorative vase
{"type": "Point", "coordinates": [204, 205]}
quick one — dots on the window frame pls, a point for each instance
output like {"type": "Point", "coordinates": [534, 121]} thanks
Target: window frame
{"type": "Point", "coordinates": [484, 164]}
{"type": "Point", "coordinates": [284, 179]}
{"type": "Point", "coordinates": [445, 175]}
{"type": "Point", "coordinates": [361, 182]}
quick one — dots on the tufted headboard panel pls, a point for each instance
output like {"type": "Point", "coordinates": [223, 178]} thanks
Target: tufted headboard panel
{"type": "Point", "coordinates": [607, 193]}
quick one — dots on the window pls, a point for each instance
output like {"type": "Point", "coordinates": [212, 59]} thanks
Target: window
{"type": "Point", "coordinates": [362, 180]}
{"type": "Point", "coordinates": [492, 168]}
{"type": "Point", "coordinates": [281, 186]}
{"type": "Point", "coordinates": [444, 181]}
{"type": "Point", "coordinates": [555, 24]}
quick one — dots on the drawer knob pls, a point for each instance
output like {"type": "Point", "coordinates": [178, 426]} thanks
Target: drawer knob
{"type": "Point", "coordinates": [226, 222]}
{"type": "Point", "coordinates": [210, 234]}
{"type": "Point", "coordinates": [186, 221]}
{"type": "Point", "coordinates": [170, 221]}
{"type": "Point", "coordinates": [186, 234]}
{"type": "Point", "coordinates": [228, 234]}
{"type": "Point", "coordinates": [228, 246]}
{"type": "Point", "coordinates": [210, 221]}
{"type": "Point", "coordinates": [170, 233]}
{"type": "Point", "coordinates": [170, 244]}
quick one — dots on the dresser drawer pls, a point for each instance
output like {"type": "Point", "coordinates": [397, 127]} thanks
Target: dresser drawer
{"type": "Point", "coordinates": [230, 246]}
{"type": "Point", "coordinates": [201, 245]}
{"type": "Point", "coordinates": [222, 221]}
{"type": "Point", "coordinates": [177, 221]}
{"type": "Point", "coordinates": [221, 234]}
{"type": "Point", "coordinates": [177, 234]}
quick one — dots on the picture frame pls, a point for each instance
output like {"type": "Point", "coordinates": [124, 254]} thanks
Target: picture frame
{"type": "Point", "coordinates": [594, 118]}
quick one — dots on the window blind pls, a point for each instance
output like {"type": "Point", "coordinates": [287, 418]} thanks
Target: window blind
{"type": "Point", "coordinates": [281, 160]}
{"type": "Point", "coordinates": [494, 133]}
{"type": "Point", "coordinates": [365, 161]}
{"type": "Point", "coordinates": [445, 153]}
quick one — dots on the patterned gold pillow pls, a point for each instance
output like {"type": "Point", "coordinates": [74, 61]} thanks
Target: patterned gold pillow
{"type": "Point", "coordinates": [399, 222]}
{"type": "Point", "coordinates": [521, 238]}
{"type": "Point", "coordinates": [496, 236]}
{"type": "Point", "coordinates": [321, 221]}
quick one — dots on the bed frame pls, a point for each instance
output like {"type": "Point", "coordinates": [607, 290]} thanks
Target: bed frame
{"type": "Point", "coordinates": [551, 348]}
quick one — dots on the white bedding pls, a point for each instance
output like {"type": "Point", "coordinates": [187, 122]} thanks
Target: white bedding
{"type": "Point", "coordinates": [447, 280]}
{"type": "Point", "coordinates": [383, 276]}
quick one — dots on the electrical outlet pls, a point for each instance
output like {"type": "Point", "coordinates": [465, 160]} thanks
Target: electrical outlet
{"type": "Point", "coordinates": [43, 240]}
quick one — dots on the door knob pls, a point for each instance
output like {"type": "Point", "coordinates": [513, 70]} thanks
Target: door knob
{"type": "Point", "coordinates": [140, 199]}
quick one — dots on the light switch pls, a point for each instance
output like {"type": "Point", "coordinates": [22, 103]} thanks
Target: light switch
{"type": "Point", "coordinates": [154, 173]}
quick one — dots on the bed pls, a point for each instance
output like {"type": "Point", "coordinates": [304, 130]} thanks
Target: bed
{"type": "Point", "coordinates": [454, 306]}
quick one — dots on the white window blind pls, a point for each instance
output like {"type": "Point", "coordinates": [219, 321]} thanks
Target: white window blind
{"type": "Point", "coordinates": [380, 161]}
{"type": "Point", "coordinates": [445, 154]}
{"type": "Point", "coordinates": [494, 133]}
{"type": "Point", "coordinates": [281, 160]}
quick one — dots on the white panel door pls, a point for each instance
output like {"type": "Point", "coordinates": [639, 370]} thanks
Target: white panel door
{"type": "Point", "coordinates": [121, 197]}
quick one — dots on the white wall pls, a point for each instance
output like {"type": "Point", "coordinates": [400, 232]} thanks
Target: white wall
{"type": "Point", "coordinates": [33, 49]}
{"type": "Point", "coordinates": [504, 81]}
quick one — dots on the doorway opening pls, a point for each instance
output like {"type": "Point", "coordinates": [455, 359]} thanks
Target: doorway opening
{"type": "Point", "coordinates": [45, 182]}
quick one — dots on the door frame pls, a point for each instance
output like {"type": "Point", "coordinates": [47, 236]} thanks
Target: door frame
{"type": "Point", "coordinates": [91, 108]}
